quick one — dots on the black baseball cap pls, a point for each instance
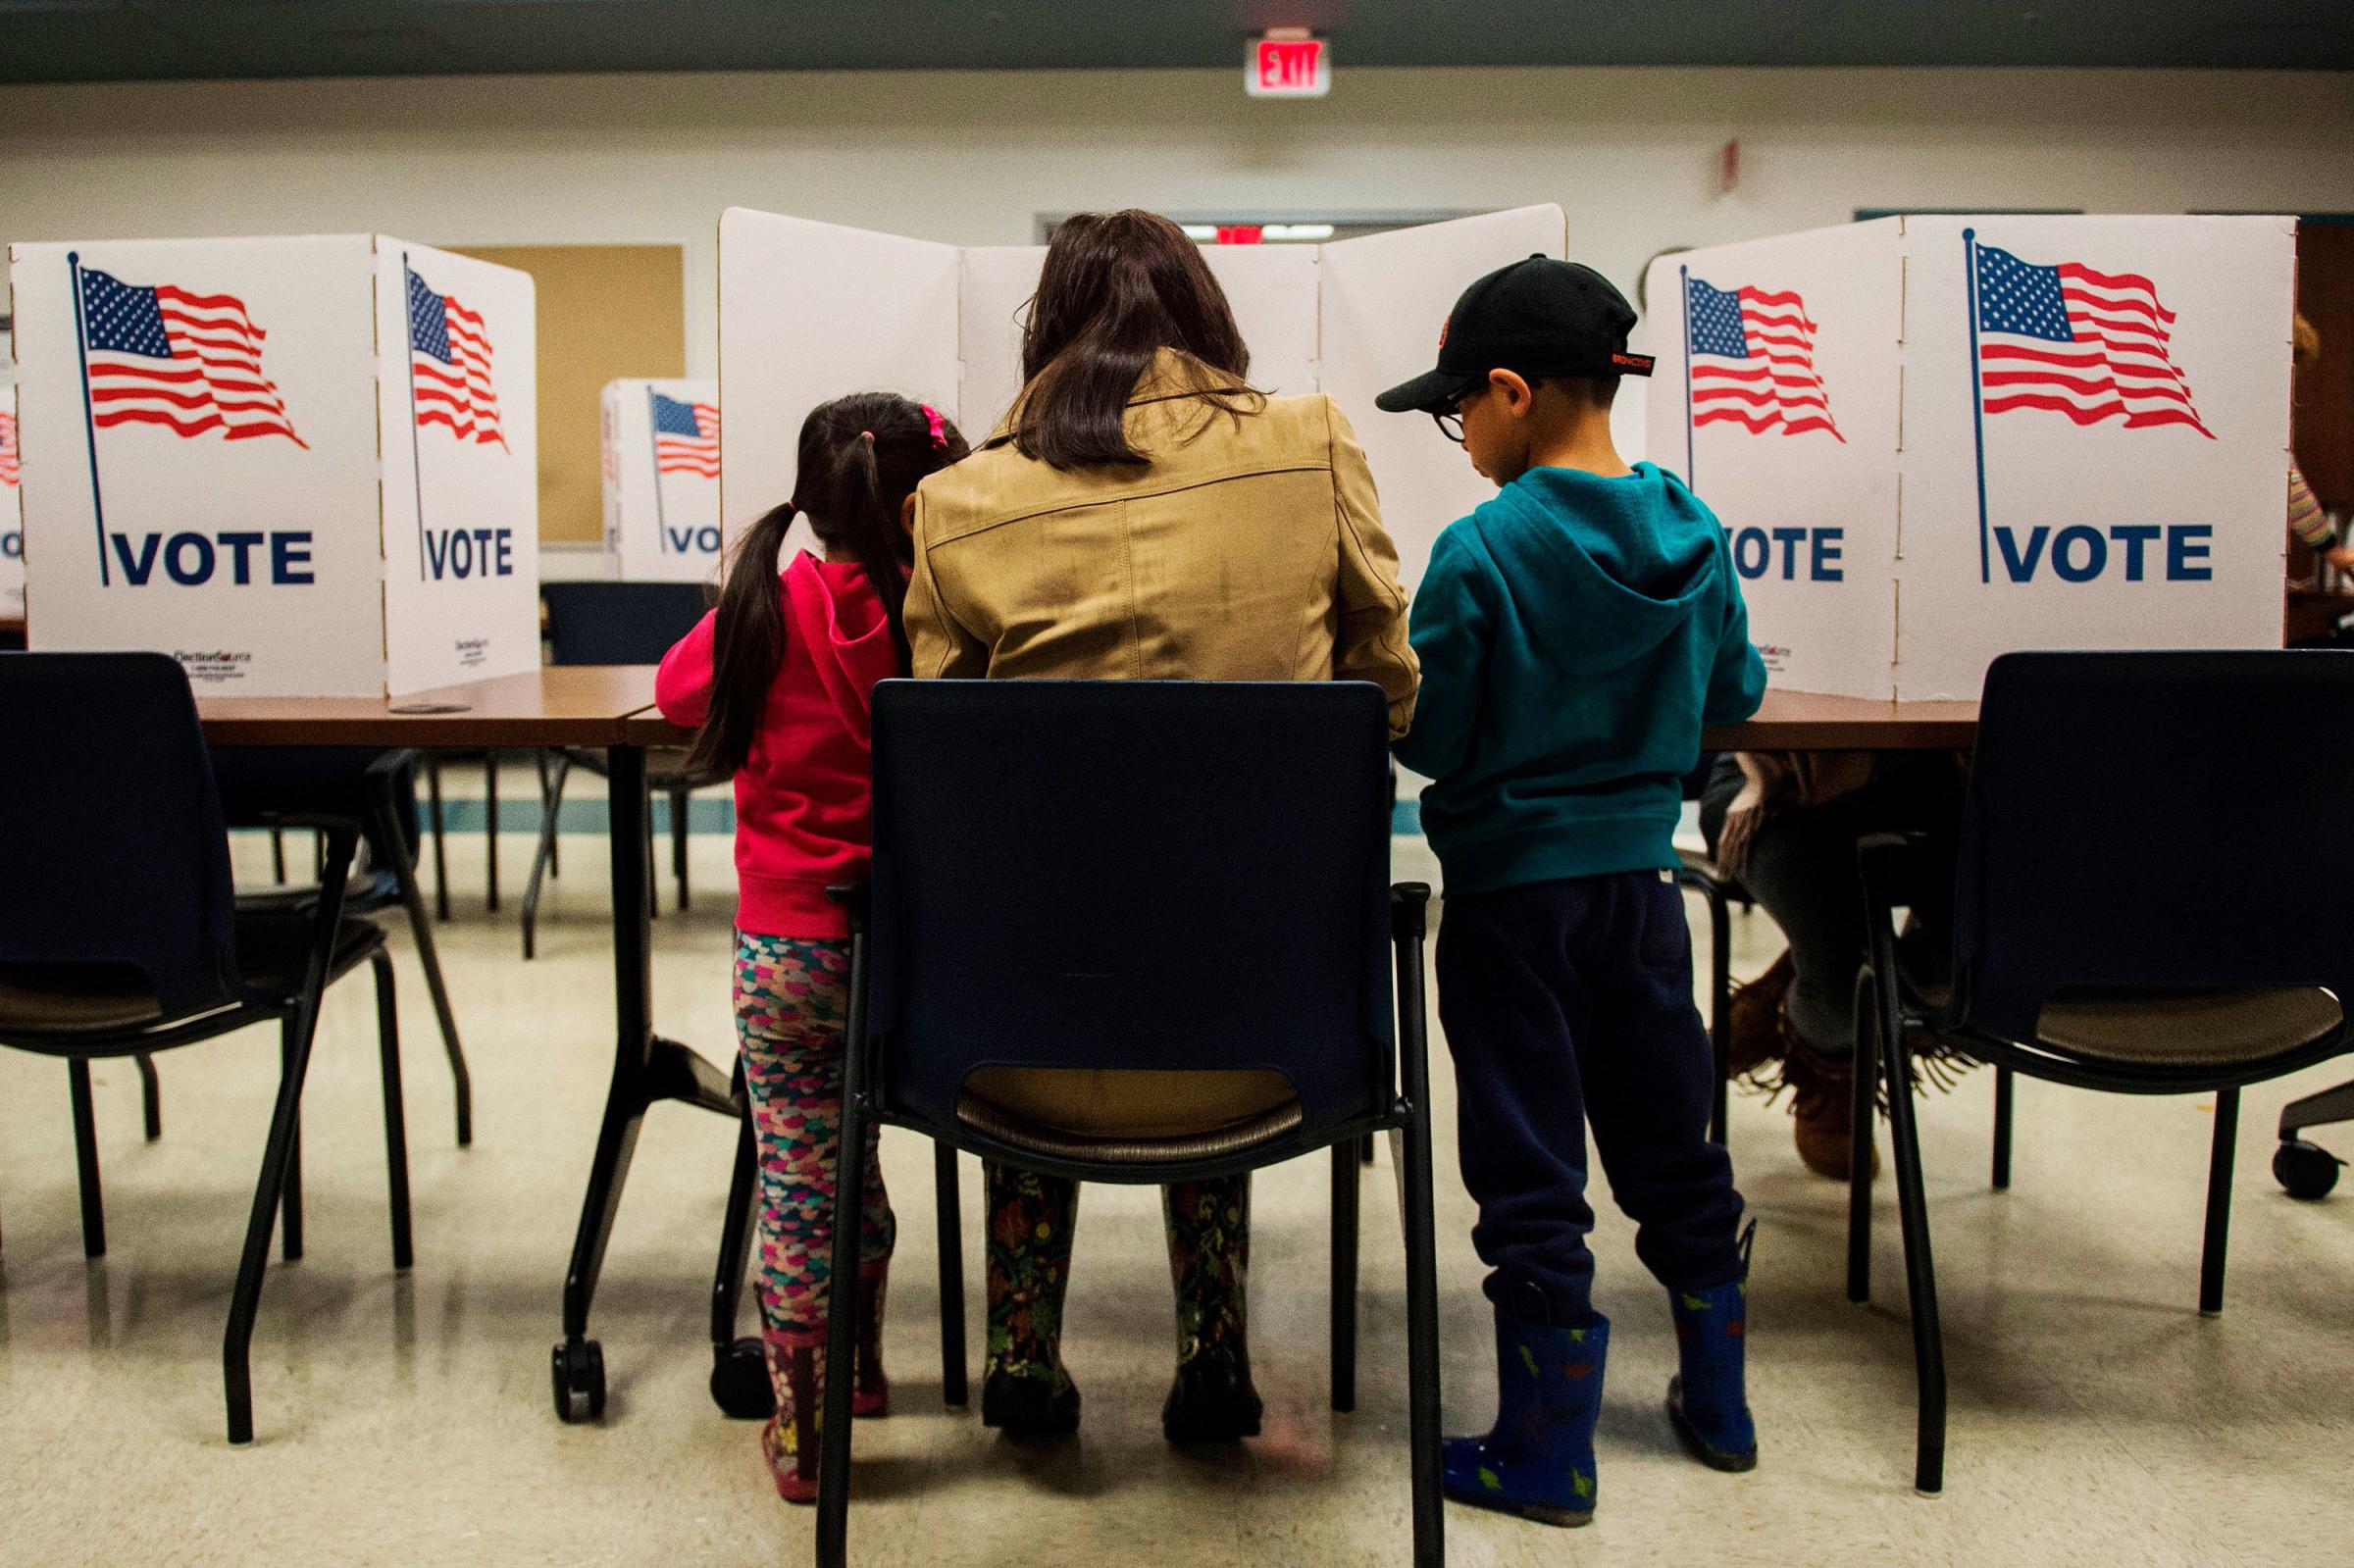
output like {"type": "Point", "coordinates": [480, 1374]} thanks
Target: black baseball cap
{"type": "Point", "coordinates": [1538, 317]}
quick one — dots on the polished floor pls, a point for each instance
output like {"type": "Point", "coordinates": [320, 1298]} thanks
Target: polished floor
{"type": "Point", "coordinates": [406, 1419]}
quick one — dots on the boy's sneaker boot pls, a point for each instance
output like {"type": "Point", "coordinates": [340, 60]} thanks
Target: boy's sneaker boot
{"type": "Point", "coordinates": [1708, 1400]}
{"type": "Point", "coordinates": [1538, 1461]}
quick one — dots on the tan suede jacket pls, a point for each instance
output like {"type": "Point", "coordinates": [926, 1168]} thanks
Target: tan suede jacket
{"type": "Point", "coordinates": [1247, 549]}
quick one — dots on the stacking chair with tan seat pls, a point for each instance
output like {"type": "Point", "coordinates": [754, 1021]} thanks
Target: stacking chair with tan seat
{"type": "Point", "coordinates": [2149, 899]}
{"type": "Point", "coordinates": [120, 935]}
{"type": "Point", "coordinates": [1150, 878]}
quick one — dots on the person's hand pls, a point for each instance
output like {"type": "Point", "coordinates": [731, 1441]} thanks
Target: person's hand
{"type": "Point", "coordinates": [2340, 556]}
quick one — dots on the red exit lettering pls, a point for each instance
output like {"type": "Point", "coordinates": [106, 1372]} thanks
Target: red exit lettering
{"type": "Point", "coordinates": [1289, 67]}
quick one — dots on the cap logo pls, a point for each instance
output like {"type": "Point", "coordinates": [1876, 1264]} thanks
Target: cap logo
{"type": "Point", "coordinates": [1443, 326]}
{"type": "Point", "coordinates": [1639, 364]}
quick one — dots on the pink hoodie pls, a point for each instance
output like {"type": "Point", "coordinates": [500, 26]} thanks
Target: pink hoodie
{"type": "Point", "coordinates": [802, 805]}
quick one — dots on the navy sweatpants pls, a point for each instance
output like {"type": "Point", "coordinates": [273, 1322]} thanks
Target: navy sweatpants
{"type": "Point", "coordinates": [1567, 1003]}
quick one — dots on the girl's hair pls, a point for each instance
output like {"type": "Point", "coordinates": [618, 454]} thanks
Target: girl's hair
{"type": "Point", "coordinates": [1116, 289]}
{"type": "Point", "coordinates": [862, 457]}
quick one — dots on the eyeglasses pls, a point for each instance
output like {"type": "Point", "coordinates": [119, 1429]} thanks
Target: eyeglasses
{"type": "Point", "coordinates": [1451, 425]}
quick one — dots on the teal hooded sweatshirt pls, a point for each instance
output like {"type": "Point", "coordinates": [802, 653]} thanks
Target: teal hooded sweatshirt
{"type": "Point", "coordinates": [1576, 633]}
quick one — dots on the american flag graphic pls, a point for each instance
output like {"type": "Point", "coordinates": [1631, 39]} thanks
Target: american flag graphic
{"type": "Point", "coordinates": [9, 465]}
{"type": "Point", "coordinates": [2087, 344]}
{"type": "Point", "coordinates": [1751, 361]}
{"type": "Point", "coordinates": [686, 436]}
{"type": "Point", "coordinates": [449, 357]}
{"type": "Point", "coordinates": [162, 355]}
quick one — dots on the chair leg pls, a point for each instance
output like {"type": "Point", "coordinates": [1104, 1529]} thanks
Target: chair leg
{"type": "Point", "coordinates": [735, 1237]}
{"type": "Point", "coordinates": [949, 1203]}
{"type": "Point", "coordinates": [1346, 1187]}
{"type": "Point", "coordinates": [237, 1343]}
{"type": "Point", "coordinates": [396, 1125]}
{"type": "Point", "coordinates": [1864, 1112]}
{"type": "Point", "coordinates": [291, 1185]}
{"type": "Point", "coordinates": [277, 855]}
{"type": "Point", "coordinates": [550, 807]}
{"type": "Point", "coordinates": [1720, 1007]}
{"type": "Point", "coordinates": [678, 842]}
{"type": "Point", "coordinates": [1408, 917]}
{"type": "Point", "coordinates": [151, 1097]}
{"type": "Point", "coordinates": [850, 1192]}
{"type": "Point", "coordinates": [85, 1159]}
{"type": "Point", "coordinates": [2002, 1128]}
{"type": "Point", "coordinates": [1921, 1270]}
{"type": "Point", "coordinates": [433, 791]}
{"type": "Point", "coordinates": [2219, 1201]}
{"type": "Point", "coordinates": [555, 845]}
{"type": "Point", "coordinates": [387, 843]}
{"type": "Point", "coordinates": [490, 826]}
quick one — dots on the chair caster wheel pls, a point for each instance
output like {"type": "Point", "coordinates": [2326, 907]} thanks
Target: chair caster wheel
{"type": "Point", "coordinates": [2307, 1171]}
{"type": "Point", "coordinates": [740, 1384]}
{"type": "Point", "coordinates": [577, 1369]}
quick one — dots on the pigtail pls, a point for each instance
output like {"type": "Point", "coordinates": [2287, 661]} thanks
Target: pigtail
{"type": "Point", "coordinates": [747, 645]}
{"type": "Point", "coordinates": [873, 537]}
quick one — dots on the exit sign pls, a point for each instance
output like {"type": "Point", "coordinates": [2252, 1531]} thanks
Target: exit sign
{"type": "Point", "coordinates": [1289, 63]}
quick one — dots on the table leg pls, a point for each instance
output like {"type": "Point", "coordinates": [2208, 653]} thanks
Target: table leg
{"type": "Point", "coordinates": [579, 1361]}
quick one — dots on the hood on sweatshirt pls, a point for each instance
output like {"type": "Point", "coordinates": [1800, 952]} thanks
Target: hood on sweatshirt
{"type": "Point", "coordinates": [839, 619]}
{"type": "Point", "coordinates": [1636, 554]}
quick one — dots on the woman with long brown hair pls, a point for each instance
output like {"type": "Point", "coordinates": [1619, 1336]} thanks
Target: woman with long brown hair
{"type": "Point", "coordinates": [1144, 514]}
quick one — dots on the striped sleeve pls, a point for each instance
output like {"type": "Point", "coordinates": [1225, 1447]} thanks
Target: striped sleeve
{"type": "Point", "coordinates": [2306, 519]}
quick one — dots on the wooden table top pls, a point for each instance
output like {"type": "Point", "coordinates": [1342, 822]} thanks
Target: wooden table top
{"type": "Point", "coordinates": [1789, 721]}
{"type": "Point", "coordinates": [600, 705]}
{"type": "Point", "coordinates": [570, 705]}
{"type": "Point", "coordinates": [1809, 721]}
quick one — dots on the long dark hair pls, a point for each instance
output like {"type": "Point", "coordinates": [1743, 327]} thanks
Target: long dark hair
{"type": "Point", "coordinates": [862, 457]}
{"type": "Point", "coordinates": [1116, 289]}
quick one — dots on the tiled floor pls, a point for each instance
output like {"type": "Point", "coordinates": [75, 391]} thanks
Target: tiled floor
{"type": "Point", "coordinates": [407, 1419]}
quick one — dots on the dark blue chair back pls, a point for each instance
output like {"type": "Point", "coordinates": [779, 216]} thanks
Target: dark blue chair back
{"type": "Point", "coordinates": [619, 623]}
{"type": "Point", "coordinates": [110, 832]}
{"type": "Point", "coordinates": [2156, 821]}
{"type": "Point", "coordinates": [1127, 874]}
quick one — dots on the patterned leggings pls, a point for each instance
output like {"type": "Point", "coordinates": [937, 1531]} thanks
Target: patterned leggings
{"type": "Point", "coordinates": [1030, 1220]}
{"type": "Point", "coordinates": [791, 998]}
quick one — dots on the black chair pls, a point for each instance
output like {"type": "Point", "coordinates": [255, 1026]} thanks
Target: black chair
{"type": "Point", "coordinates": [1696, 873]}
{"type": "Point", "coordinates": [435, 818]}
{"type": "Point", "coordinates": [120, 935]}
{"type": "Point", "coordinates": [617, 622]}
{"type": "Point", "coordinates": [2149, 899]}
{"type": "Point", "coordinates": [375, 793]}
{"type": "Point", "coordinates": [1135, 874]}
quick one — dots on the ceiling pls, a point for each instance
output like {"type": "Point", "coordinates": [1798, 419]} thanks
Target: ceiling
{"type": "Point", "coordinates": [116, 40]}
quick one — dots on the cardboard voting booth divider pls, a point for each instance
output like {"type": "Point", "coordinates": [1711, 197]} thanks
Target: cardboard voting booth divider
{"type": "Point", "coordinates": [811, 311]}
{"type": "Point", "coordinates": [304, 467]}
{"type": "Point", "coordinates": [12, 513]}
{"type": "Point", "coordinates": [662, 469]}
{"type": "Point", "coordinates": [1936, 439]}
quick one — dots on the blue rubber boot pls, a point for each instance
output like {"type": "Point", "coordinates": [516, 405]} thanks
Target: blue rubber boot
{"type": "Point", "coordinates": [1538, 1461]}
{"type": "Point", "coordinates": [1708, 1400]}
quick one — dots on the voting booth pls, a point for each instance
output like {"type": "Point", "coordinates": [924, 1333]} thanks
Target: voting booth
{"type": "Point", "coordinates": [662, 469]}
{"type": "Point", "coordinates": [1936, 439]}
{"type": "Point", "coordinates": [11, 514]}
{"type": "Point", "coordinates": [303, 467]}
{"type": "Point", "coordinates": [811, 311]}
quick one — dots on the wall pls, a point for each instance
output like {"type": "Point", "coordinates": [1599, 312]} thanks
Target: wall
{"type": "Point", "coordinates": [971, 158]}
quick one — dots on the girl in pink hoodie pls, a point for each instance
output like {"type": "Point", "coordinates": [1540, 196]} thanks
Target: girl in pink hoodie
{"type": "Point", "coordinates": [777, 681]}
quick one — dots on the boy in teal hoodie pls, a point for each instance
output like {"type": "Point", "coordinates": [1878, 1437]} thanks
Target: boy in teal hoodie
{"type": "Point", "coordinates": [1576, 633]}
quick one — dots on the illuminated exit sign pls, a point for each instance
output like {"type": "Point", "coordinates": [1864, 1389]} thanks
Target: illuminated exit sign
{"type": "Point", "coordinates": [1289, 63]}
